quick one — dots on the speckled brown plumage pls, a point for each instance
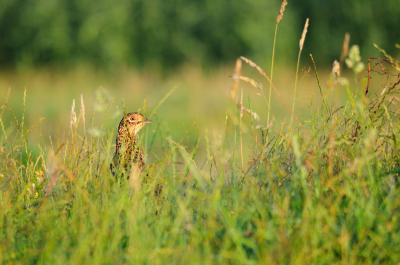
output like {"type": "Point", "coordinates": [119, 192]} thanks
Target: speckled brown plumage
{"type": "Point", "coordinates": [127, 151]}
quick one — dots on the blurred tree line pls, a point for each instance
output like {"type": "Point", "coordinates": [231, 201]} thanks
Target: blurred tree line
{"type": "Point", "coordinates": [168, 33]}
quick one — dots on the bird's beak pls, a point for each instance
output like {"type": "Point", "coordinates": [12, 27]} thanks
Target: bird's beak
{"type": "Point", "coordinates": [147, 121]}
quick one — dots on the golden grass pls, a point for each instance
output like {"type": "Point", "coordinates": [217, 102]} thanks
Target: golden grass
{"type": "Point", "coordinates": [235, 78]}
{"type": "Point", "coordinates": [280, 15]}
{"type": "Point", "coordinates": [303, 35]}
{"type": "Point", "coordinates": [301, 44]}
{"type": "Point", "coordinates": [345, 49]}
{"type": "Point", "coordinates": [278, 19]}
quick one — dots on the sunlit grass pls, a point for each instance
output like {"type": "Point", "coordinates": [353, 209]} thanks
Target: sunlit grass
{"type": "Point", "coordinates": [326, 196]}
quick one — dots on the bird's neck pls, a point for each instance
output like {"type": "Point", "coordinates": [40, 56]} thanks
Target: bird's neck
{"type": "Point", "coordinates": [124, 139]}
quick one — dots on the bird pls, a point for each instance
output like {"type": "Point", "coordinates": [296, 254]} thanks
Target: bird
{"type": "Point", "coordinates": [127, 151]}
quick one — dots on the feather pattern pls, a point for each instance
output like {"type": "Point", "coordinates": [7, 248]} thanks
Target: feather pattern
{"type": "Point", "coordinates": [127, 150]}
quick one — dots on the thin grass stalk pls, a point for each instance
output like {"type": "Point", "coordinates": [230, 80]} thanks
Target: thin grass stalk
{"type": "Point", "coordinates": [83, 114]}
{"type": "Point", "coordinates": [272, 72]}
{"type": "Point", "coordinates": [278, 19]}
{"type": "Point", "coordinates": [345, 49]}
{"type": "Point", "coordinates": [319, 85]}
{"type": "Point", "coordinates": [235, 77]}
{"type": "Point", "coordinates": [3, 106]}
{"type": "Point", "coordinates": [174, 164]}
{"type": "Point", "coordinates": [301, 44]}
{"type": "Point", "coordinates": [23, 126]}
{"type": "Point", "coordinates": [236, 105]}
{"type": "Point", "coordinates": [240, 128]}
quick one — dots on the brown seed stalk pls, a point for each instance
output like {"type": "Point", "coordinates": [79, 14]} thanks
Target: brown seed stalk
{"type": "Point", "coordinates": [345, 48]}
{"type": "Point", "coordinates": [251, 82]}
{"type": "Point", "coordinates": [303, 36]}
{"type": "Point", "coordinates": [235, 78]}
{"type": "Point", "coordinates": [280, 15]}
{"type": "Point", "coordinates": [83, 111]}
{"type": "Point", "coordinates": [73, 115]}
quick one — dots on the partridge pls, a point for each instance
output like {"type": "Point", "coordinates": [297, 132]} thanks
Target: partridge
{"type": "Point", "coordinates": [127, 151]}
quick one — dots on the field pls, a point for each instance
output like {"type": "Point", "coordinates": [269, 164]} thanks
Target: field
{"type": "Point", "coordinates": [317, 182]}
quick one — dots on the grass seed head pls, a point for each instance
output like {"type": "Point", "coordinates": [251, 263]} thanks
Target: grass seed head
{"type": "Point", "coordinates": [83, 110]}
{"type": "Point", "coordinates": [345, 47]}
{"type": "Point", "coordinates": [303, 36]}
{"type": "Point", "coordinates": [73, 115]}
{"type": "Point", "coordinates": [280, 15]}
{"type": "Point", "coordinates": [235, 77]}
{"type": "Point", "coordinates": [251, 82]}
{"type": "Point", "coordinates": [336, 69]}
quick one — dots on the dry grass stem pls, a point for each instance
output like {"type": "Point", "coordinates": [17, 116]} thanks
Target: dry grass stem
{"type": "Point", "coordinates": [235, 77]}
{"type": "Point", "coordinates": [73, 115]}
{"type": "Point", "coordinates": [240, 125]}
{"type": "Point", "coordinates": [345, 48]}
{"type": "Point", "coordinates": [301, 44]}
{"type": "Point", "coordinates": [280, 15]}
{"type": "Point", "coordinates": [243, 109]}
{"type": "Point", "coordinates": [303, 36]}
{"type": "Point", "coordinates": [241, 104]}
{"type": "Point", "coordinates": [251, 82]}
{"type": "Point", "coordinates": [83, 110]}
{"type": "Point", "coordinates": [331, 154]}
{"type": "Point", "coordinates": [258, 68]}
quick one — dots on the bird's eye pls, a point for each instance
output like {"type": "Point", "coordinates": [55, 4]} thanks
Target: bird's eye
{"type": "Point", "coordinates": [132, 119]}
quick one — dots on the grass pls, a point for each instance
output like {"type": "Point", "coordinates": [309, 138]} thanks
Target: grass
{"type": "Point", "coordinates": [325, 190]}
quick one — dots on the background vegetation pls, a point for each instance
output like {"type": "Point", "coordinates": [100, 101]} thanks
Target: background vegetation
{"type": "Point", "coordinates": [170, 33]}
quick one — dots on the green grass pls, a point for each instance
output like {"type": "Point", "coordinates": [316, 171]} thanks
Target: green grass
{"type": "Point", "coordinates": [329, 198]}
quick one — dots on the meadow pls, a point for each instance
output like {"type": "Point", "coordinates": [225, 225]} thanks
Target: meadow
{"type": "Point", "coordinates": [306, 173]}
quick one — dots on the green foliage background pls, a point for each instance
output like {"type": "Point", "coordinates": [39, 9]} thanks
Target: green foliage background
{"type": "Point", "coordinates": [170, 33]}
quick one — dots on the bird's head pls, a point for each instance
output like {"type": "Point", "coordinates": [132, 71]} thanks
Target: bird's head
{"type": "Point", "coordinates": [133, 122]}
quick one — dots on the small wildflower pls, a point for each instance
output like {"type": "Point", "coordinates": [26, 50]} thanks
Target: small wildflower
{"type": "Point", "coordinates": [39, 173]}
{"type": "Point", "coordinates": [32, 188]}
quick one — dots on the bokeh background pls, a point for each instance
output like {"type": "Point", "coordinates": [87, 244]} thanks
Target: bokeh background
{"type": "Point", "coordinates": [125, 52]}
